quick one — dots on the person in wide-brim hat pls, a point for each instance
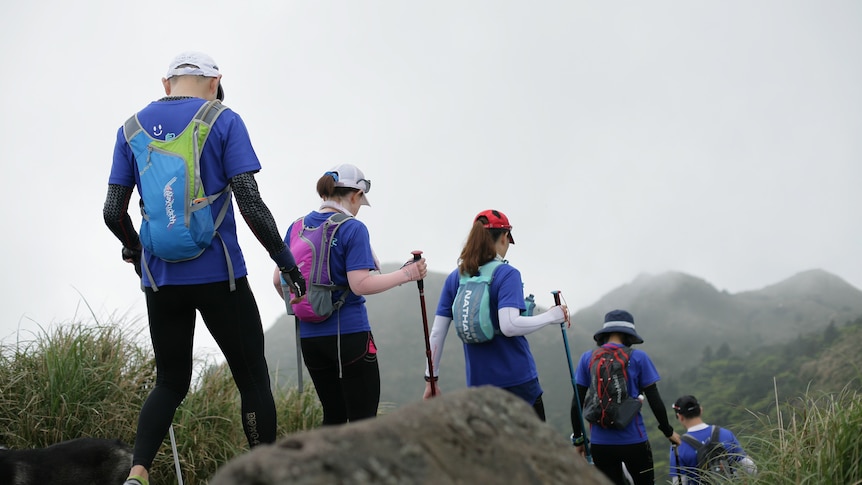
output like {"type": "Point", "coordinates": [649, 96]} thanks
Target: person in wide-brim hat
{"type": "Point", "coordinates": [618, 321]}
{"type": "Point", "coordinates": [612, 444]}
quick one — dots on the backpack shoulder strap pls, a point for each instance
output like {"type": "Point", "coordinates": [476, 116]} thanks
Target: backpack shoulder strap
{"type": "Point", "coordinates": [715, 432]}
{"type": "Point", "coordinates": [627, 351]}
{"type": "Point", "coordinates": [209, 111]}
{"type": "Point", "coordinates": [691, 440]}
{"type": "Point", "coordinates": [596, 353]}
{"type": "Point", "coordinates": [339, 217]}
{"type": "Point", "coordinates": [489, 268]}
{"type": "Point", "coordinates": [296, 227]}
{"type": "Point", "coordinates": [486, 270]}
{"type": "Point", "coordinates": [132, 127]}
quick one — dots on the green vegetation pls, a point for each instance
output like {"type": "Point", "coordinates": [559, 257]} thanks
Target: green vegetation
{"type": "Point", "coordinates": [90, 380]}
{"type": "Point", "coordinates": [80, 380]}
{"type": "Point", "coordinates": [815, 440]}
{"type": "Point", "coordinates": [804, 391]}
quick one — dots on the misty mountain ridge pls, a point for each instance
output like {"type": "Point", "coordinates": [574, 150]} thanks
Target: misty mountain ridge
{"type": "Point", "coordinates": [674, 301]}
{"type": "Point", "coordinates": [678, 315]}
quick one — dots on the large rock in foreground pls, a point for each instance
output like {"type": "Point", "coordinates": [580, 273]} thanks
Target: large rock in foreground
{"type": "Point", "coordinates": [478, 436]}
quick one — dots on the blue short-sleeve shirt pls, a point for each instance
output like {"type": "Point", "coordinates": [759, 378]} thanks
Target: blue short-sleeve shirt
{"type": "Point", "coordinates": [227, 152]}
{"type": "Point", "coordinates": [641, 374]}
{"type": "Point", "coordinates": [502, 361]}
{"type": "Point", "coordinates": [351, 251]}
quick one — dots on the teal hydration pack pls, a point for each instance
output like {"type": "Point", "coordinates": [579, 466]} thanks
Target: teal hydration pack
{"type": "Point", "coordinates": [471, 308]}
{"type": "Point", "coordinates": [177, 222]}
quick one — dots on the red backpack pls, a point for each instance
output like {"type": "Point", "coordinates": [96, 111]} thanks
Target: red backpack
{"type": "Point", "coordinates": [608, 403]}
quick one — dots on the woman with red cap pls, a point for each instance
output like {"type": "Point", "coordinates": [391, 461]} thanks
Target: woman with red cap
{"type": "Point", "coordinates": [505, 361]}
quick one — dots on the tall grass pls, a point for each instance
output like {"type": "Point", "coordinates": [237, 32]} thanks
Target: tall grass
{"type": "Point", "coordinates": [74, 381]}
{"type": "Point", "coordinates": [815, 439]}
{"type": "Point", "coordinates": [90, 380]}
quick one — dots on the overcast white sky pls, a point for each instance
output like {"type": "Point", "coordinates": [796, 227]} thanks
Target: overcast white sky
{"type": "Point", "coordinates": [720, 139]}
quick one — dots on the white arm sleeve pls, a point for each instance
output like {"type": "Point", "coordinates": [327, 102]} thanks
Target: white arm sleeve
{"type": "Point", "coordinates": [513, 324]}
{"type": "Point", "coordinates": [748, 466]}
{"type": "Point", "coordinates": [439, 330]}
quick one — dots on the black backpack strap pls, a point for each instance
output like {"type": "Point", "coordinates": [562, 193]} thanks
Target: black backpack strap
{"type": "Point", "coordinates": [691, 440]}
{"type": "Point", "coordinates": [714, 436]}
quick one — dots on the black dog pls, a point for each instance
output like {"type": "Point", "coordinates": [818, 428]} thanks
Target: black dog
{"type": "Point", "coordinates": [82, 461]}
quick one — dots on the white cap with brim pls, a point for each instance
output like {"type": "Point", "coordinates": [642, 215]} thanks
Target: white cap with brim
{"type": "Point", "coordinates": [347, 175]}
{"type": "Point", "coordinates": [195, 64]}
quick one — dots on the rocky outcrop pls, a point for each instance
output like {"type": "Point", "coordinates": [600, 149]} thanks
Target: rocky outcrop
{"type": "Point", "coordinates": [478, 436]}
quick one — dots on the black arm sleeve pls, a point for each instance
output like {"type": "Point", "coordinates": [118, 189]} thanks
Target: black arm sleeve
{"type": "Point", "coordinates": [259, 219]}
{"type": "Point", "coordinates": [658, 409]}
{"type": "Point", "coordinates": [575, 412]}
{"type": "Point", "coordinates": [116, 214]}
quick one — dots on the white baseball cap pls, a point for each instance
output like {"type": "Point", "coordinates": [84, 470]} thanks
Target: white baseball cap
{"type": "Point", "coordinates": [347, 175]}
{"type": "Point", "coordinates": [193, 63]}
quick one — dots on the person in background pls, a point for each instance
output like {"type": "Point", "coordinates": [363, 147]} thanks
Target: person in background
{"type": "Point", "coordinates": [505, 361]}
{"type": "Point", "coordinates": [175, 291]}
{"type": "Point", "coordinates": [683, 459]}
{"type": "Point", "coordinates": [339, 352]}
{"type": "Point", "coordinates": [614, 448]}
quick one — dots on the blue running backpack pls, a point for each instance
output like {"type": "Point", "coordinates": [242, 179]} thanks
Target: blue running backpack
{"type": "Point", "coordinates": [177, 222]}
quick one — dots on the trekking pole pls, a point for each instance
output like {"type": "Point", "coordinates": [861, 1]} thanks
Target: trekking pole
{"type": "Point", "coordinates": [176, 456]}
{"type": "Point", "coordinates": [298, 357]}
{"type": "Point", "coordinates": [587, 454]}
{"type": "Point", "coordinates": [285, 291]}
{"type": "Point", "coordinates": [417, 255]}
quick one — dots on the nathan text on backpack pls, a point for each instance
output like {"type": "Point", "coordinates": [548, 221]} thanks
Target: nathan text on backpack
{"type": "Point", "coordinates": [177, 222]}
{"type": "Point", "coordinates": [713, 459]}
{"type": "Point", "coordinates": [608, 403]}
{"type": "Point", "coordinates": [471, 309]}
{"type": "Point", "coordinates": [311, 248]}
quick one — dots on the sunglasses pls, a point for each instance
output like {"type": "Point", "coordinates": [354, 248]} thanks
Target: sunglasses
{"type": "Point", "coordinates": [365, 183]}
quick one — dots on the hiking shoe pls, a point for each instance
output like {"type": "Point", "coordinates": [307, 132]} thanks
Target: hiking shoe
{"type": "Point", "coordinates": [136, 480]}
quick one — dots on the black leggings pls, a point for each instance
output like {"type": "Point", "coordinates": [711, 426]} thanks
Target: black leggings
{"type": "Point", "coordinates": [233, 320]}
{"type": "Point", "coordinates": [356, 394]}
{"type": "Point", "coordinates": [637, 457]}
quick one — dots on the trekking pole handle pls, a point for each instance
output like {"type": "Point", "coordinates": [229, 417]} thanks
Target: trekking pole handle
{"type": "Point", "coordinates": [557, 294]}
{"type": "Point", "coordinates": [417, 255]}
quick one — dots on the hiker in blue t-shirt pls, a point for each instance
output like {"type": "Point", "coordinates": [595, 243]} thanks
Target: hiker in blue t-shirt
{"type": "Point", "coordinates": [215, 282]}
{"type": "Point", "coordinates": [339, 352]}
{"type": "Point", "coordinates": [611, 447]}
{"type": "Point", "coordinates": [683, 458]}
{"type": "Point", "coordinates": [505, 361]}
